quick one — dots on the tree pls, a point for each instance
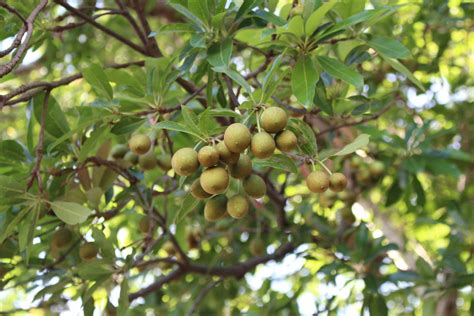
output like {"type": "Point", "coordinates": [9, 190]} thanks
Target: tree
{"type": "Point", "coordinates": [156, 154]}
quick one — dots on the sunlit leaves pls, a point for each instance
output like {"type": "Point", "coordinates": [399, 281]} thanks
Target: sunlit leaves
{"type": "Point", "coordinates": [304, 79]}
{"type": "Point", "coordinates": [69, 212]}
{"type": "Point", "coordinates": [96, 77]}
{"type": "Point", "coordinates": [338, 70]}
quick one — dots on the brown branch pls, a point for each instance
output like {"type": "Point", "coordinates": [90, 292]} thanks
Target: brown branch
{"type": "Point", "coordinates": [132, 22]}
{"type": "Point", "coordinates": [32, 89]}
{"type": "Point", "coordinates": [22, 47]}
{"type": "Point", "coordinates": [237, 271]}
{"type": "Point", "coordinates": [35, 173]}
{"type": "Point", "coordinates": [104, 29]}
{"type": "Point", "coordinates": [353, 123]}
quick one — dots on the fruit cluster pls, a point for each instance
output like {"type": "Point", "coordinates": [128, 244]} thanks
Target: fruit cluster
{"type": "Point", "coordinates": [230, 158]}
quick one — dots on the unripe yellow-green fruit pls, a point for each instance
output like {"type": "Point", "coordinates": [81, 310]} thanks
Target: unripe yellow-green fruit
{"type": "Point", "coordinates": [147, 161]}
{"type": "Point", "coordinates": [226, 155]}
{"type": "Point", "coordinates": [376, 169]}
{"type": "Point", "coordinates": [169, 248]}
{"type": "Point", "coordinates": [88, 251]}
{"type": "Point", "coordinates": [257, 247]}
{"type": "Point", "coordinates": [237, 137]}
{"type": "Point", "coordinates": [214, 180]}
{"type": "Point", "coordinates": [93, 196]}
{"type": "Point", "coordinates": [131, 158]}
{"type": "Point", "coordinates": [61, 238]}
{"type": "Point", "coordinates": [164, 162]}
{"type": "Point", "coordinates": [197, 191]}
{"type": "Point", "coordinates": [337, 182]}
{"type": "Point", "coordinates": [215, 208]}
{"type": "Point", "coordinates": [317, 181]}
{"type": "Point", "coordinates": [363, 175]}
{"type": "Point", "coordinates": [185, 161]}
{"type": "Point", "coordinates": [356, 162]}
{"type": "Point", "coordinates": [286, 141]}
{"type": "Point", "coordinates": [139, 144]}
{"type": "Point", "coordinates": [263, 145]}
{"type": "Point", "coordinates": [242, 169]}
{"type": "Point", "coordinates": [237, 206]}
{"type": "Point", "coordinates": [119, 151]}
{"type": "Point", "coordinates": [274, 119]}
{"type": "Point", "coordinates": [208, 156]}
{"type": "Point", "coordinates": [255, 186]}
{"type": "Point", "coordinates": [144, 224]}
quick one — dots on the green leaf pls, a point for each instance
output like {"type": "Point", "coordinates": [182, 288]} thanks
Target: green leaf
{"type": "Point", "coordinates": [317, 17]}
{"type": "Point", "coordinates": [11, 150]}
{"type": "Point", "coordinates": [96, 77]}
{"type": "Point", "coordinates": [96, 138]}
{"type": "Point", "coordinates": [174, 126]}
{"type": "Point", "coordinates": [189, 15]}
{"type": "Point", "coordinates": [124, 303]}
{"type": "Point", "coordinates": [127, 125]}
{"type": "Point", "coordinates": [296, 26]}
{"type": "Point", "coordinates": [12, 190]}
{"type": "Point", "coordinates": [106, 247]}
{"type": "Point", "coordinates": [338, 70]}
{"type": "Point", "coordinates": [95, 269]}
{"type": "Point", "coordinates": [187, 206]}
{"type": "Point", "coordinates": [200, 9]}
{"type": "Point", "coordinates": [270, 17]}
{"type": "Point", "coordinates": [395, 64]}
{"type": "Point", "coordinates": [69, 212]}
{"type": "Point", "coordinates": [246, 6]}
{"type": "Point", "coordinates": [277, 161]}
{"type": "Point", "coordinates": [304, 79]}
{"type": "Point", "coordinates": [190, 118]}
{"type": "Point", "coordinates": [6, 232]}
{"type": "Point", "coordinates": [56, 124]}
{"type": "Point", "coordinates": [361, 141]}
{"type": "Point", "coordinates": [306, 139]}
{"type": "Point", "coordinates": [236, 77]}
{"type": "Point", "coordinates": [388, 47]}
{"type": "Point", "coordinates": [219, 54]}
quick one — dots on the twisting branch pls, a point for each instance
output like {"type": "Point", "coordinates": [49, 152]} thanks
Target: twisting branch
{"type": "Point", "coordinates": [99, 26]}
{"type": "Point", "coordinates": [132, 22]}
{"type": "Point", "coordinates": [35, 173]}
{"type": "Point", "coordinates": [22, 47]}
{"type": "Point", "coordinates": [202, 294]}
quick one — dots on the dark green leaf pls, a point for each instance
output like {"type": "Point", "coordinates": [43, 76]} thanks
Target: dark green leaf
{"type": "Point", "coordinates": [338, 70]}
{"type": "Point", "coordinates": [96, 77]}
{"type": "Point", "coordinates": [303, 80]}
{"type": "Point", "coordinates": [389, 47]}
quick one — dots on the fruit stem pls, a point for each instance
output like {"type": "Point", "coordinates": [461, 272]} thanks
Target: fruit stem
{"type": "Point", "coordinates": [258, 122]}
{"type": "Point", "coordinates": [324, 166]}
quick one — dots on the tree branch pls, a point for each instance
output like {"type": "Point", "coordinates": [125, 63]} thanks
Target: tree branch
{"type": "Point", "coordinates": [22, 47]}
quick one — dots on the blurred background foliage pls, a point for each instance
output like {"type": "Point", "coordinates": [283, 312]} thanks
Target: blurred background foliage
{"type": "Point", "coordinates": [400, 241]}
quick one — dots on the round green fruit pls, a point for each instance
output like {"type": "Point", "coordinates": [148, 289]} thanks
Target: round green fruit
{"type": "Point", "coordinates": [317, 181]}
{"type": "Point", "coordinates": [376, 169]}
{"type": "Point", "coordinates": [274, 119]}
{"type": "Point", "coordinates": [337, 182]}
{"type": "Point", "coordinates": [286, 141]}
{"type": "Point", "coordinates": [119, 151]}
{"type": "Point", "coordinates": [237, 137]}
{"type": "Point", "coordinates": [131, 158]}
{"type": "Point", "coordinates": [208, 156]}
{"type": "Point", "coordinates": [61, 238]}
{"type": "Point", "coordinates": [237, 206]}
{"type": "Point", "coordinates": [257, 247]}
{"type": "Point", "coordinates": [215, 208]}
{"type": "Point", "coordinates": [242, 169]}
{"type": "Point", "coordinates": [255, 186]}
{"type": "Point", "coordinates": [214, 180]}
{"type": "Point", "coordinates": [139, 144]}
{"type": "Point", "coordinates": [88, 251]}
{"type": "Point", "coordinates": [164, 162]}
{"type": "Point", "coordinates": [197, 191]}
{"type": "Point", "coordinates": [185, 161]}
{"type": "Point", "coordinates": [263, 145]}
{"type": "Point", "coordinates": [226, 155]}
{"type": "Point", "coordinates": [169, 248]}
{"type": "Point", "coordinates": [363, 175]}
{"type": "Point", "coordinates": [147, 161]}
